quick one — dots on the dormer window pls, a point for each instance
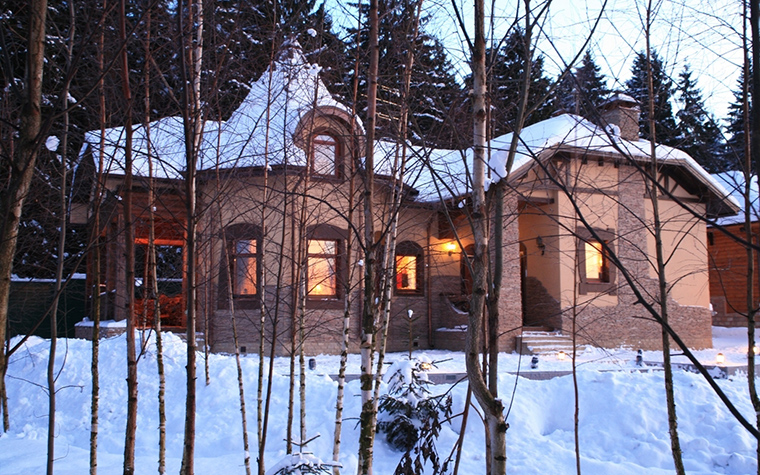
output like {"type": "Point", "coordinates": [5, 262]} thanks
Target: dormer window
{"type": "Point", "coordinates": [324, 155]}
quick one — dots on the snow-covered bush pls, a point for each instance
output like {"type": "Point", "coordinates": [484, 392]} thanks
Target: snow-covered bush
{"type": "Point", "coordinates": [300, 464]}
{"type": "Point", "coordinates": [409, 415]}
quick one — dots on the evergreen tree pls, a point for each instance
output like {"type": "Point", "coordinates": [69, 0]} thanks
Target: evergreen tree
{"type": "Point", "coordinates": [434, 90]}
{"type": "Point", "coordinates": [697, 133]}
{"type": "Point", "coordinates": [733, 155]}
{"type": "Point", "coordinates": [582, 91]}
{"type": "Point", "coordinates": [506, 68]}
{"type": "Point", "coordinates": [663, 89]}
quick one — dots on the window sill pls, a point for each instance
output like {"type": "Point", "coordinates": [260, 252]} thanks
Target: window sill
{"type": "Point", "coordinates": [597, 287]}
{"type": "Point", "coordinates": [409, 293]}
{"type": "Point", "coordinates": [325, 303]}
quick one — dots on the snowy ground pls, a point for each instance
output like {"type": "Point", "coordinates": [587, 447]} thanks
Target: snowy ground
{"type": "Point", "coordinates": [623, 425]}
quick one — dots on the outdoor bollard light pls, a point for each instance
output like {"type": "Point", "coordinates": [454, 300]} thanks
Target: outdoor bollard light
{"type": "Point", "coordinates": [720, 359]}
{"type": "Point", "coordinates": [312, 364]}
{"type": "Point", "coordinates": [534, 362]}
{"type": "Point", "coordinates": [561, 356]}
{"type": "Point", "coordinates": [639, 358]}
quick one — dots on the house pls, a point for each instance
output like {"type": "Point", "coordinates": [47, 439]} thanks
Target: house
{"type": "Point", "coordinates": [728, 255]}
{"type": "Point", "coordinates": [281, 218]}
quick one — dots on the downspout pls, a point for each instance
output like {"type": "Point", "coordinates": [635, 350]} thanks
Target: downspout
{"type": "Point", "coordinates": [429, 281]}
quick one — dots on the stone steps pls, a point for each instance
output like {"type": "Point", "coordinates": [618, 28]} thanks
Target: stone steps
{"type": "Point", "coordinates": [542, 342]}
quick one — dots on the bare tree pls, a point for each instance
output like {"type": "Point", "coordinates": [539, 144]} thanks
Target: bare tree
{"type": "Point", "coordinates": [21, 171]}
{"type": "Point", "coordinates": [51, 375]}
{"type": "Point", "coordinates": [369, 311]}
{"type": "Point", "coordinates": [191, 55]}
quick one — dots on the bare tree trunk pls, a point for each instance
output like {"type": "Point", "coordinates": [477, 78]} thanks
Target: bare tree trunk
{"type": "Point", "coordinates": [151, 269]}
{"type": "Point", "coordinates": [273, 348]}
{"type": "Point", "coordinates": [191, 45]}
{"type": "Point", "coordinates": [492, 407]}
{"type": "Point", "coordinates": [675, 444]}
{"type": "Point", "coordinates": [753, 151]}
{"type": "Point", "coordinates": [12, 198]}
{"type": "Point", "coordinates": [369, 312]}
{"type": "Point", "coordinates": [95, 238]}
{"type": "Point", "coordinates": [51, 376]}
{"type": "Point", "coordinates": [348, 300]}
{"type": "Point", "coordinates": [131, 429]}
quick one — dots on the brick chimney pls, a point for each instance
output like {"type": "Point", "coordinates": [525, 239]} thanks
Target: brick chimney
{"type": "Point", "coordinates": [622, 112]}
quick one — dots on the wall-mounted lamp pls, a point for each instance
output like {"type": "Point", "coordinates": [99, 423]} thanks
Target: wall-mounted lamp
{"type": "Point", "coordinates": [450, 247]}
{"type": "Point", "coordinates": [720, 359]}
{"type": "Point", "coordinates": [541, 245]}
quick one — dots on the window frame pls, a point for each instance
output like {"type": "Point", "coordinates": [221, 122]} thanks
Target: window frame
{"type": "Point", "coordinates": [327, 232]}
{"type": "Point", "coordinates": [586, 284]}
{"type": "Point", "coordinates": [316, 139]}
{"type": "Point", "coordinates": [410, 249]}
{"type": "Point", "coordinates": [233, 234]}
{"type": "Point", "coordinates": [235, 255]}
{"type": "Point", "coordinates": [322, 256]}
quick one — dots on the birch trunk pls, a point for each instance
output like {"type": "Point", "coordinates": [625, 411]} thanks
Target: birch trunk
{"type": "Point", "coordinates": [131, 429]}
{"type": "Point", "coordinates": [193, 128]}
{"type": "Point", "coordinates": [492, 407]}
{"type": "Point", "coordinates": [369, 312]}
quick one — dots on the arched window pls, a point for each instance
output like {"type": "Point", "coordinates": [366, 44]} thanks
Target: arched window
{"type": "Point", "coordinates": [409, 268]}
{"type": "Point", "coordinates": [325, 154]}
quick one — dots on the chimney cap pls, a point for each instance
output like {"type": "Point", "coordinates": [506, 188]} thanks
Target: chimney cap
{"type": "Point", "coordinates": [619, 99]}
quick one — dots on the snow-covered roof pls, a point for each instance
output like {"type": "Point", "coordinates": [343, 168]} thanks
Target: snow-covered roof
{"type": "Point", "coordinates": [289, 90]}
{"type": "Point", "coordinates": [574, 132]}
{"type": "Point", "coordinates": [733, 181]}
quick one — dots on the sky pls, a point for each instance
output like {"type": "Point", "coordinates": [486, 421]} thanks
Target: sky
{"type": "Point", "coordinates": [705, 34]}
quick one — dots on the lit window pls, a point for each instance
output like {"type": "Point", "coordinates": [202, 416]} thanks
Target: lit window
{"type": "Point", "coordinates": [597, 266]}
{"type": "Point", "coordinates": [408, 267]}
{"type": "Point", "coordinates": [322, 272]}
{"type": "Point", "coordinates": [324, 151]}
{"type": "Point", "coordinates": [406, 272]}
{"type": "Point", "coordinates": [244, 267]}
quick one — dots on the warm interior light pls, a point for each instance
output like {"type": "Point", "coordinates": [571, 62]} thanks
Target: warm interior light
{"type": "Point", "coordinates": [720, 359]}
{"type": "Point", "coordinates": [450, 247]}
{"type": "Point", "coordinates": [561, 356]}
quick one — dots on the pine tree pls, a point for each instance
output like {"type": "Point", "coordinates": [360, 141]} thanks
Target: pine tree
{"type": "Point", "coordinates": [665, 123]}
{"type": "Point", "coordinates": [434, 89]}
{"type": "Point", "coordinates": [582, 91]}
{"type": "Point", "coordinates": [697, 133]}
{"type": "Point", "coordinates": [506, 66]}
{"type": "Point", "coordinates": [733, 156]}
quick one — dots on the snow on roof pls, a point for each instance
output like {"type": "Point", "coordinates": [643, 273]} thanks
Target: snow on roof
{"type": "Point", "coordinates": [289, 90]}
{"type": "Point", "coordinates": [733, 181]}
{"type": "Point", "coordinates": [435, 173]}
{"type": "Point", "coordinates": [571, 131]}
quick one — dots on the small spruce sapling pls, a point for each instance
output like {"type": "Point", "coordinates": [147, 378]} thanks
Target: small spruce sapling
{"type": "Point", "coordinates": [410, 417]}
{"type": "Point", "coordinates": [301, 464]}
